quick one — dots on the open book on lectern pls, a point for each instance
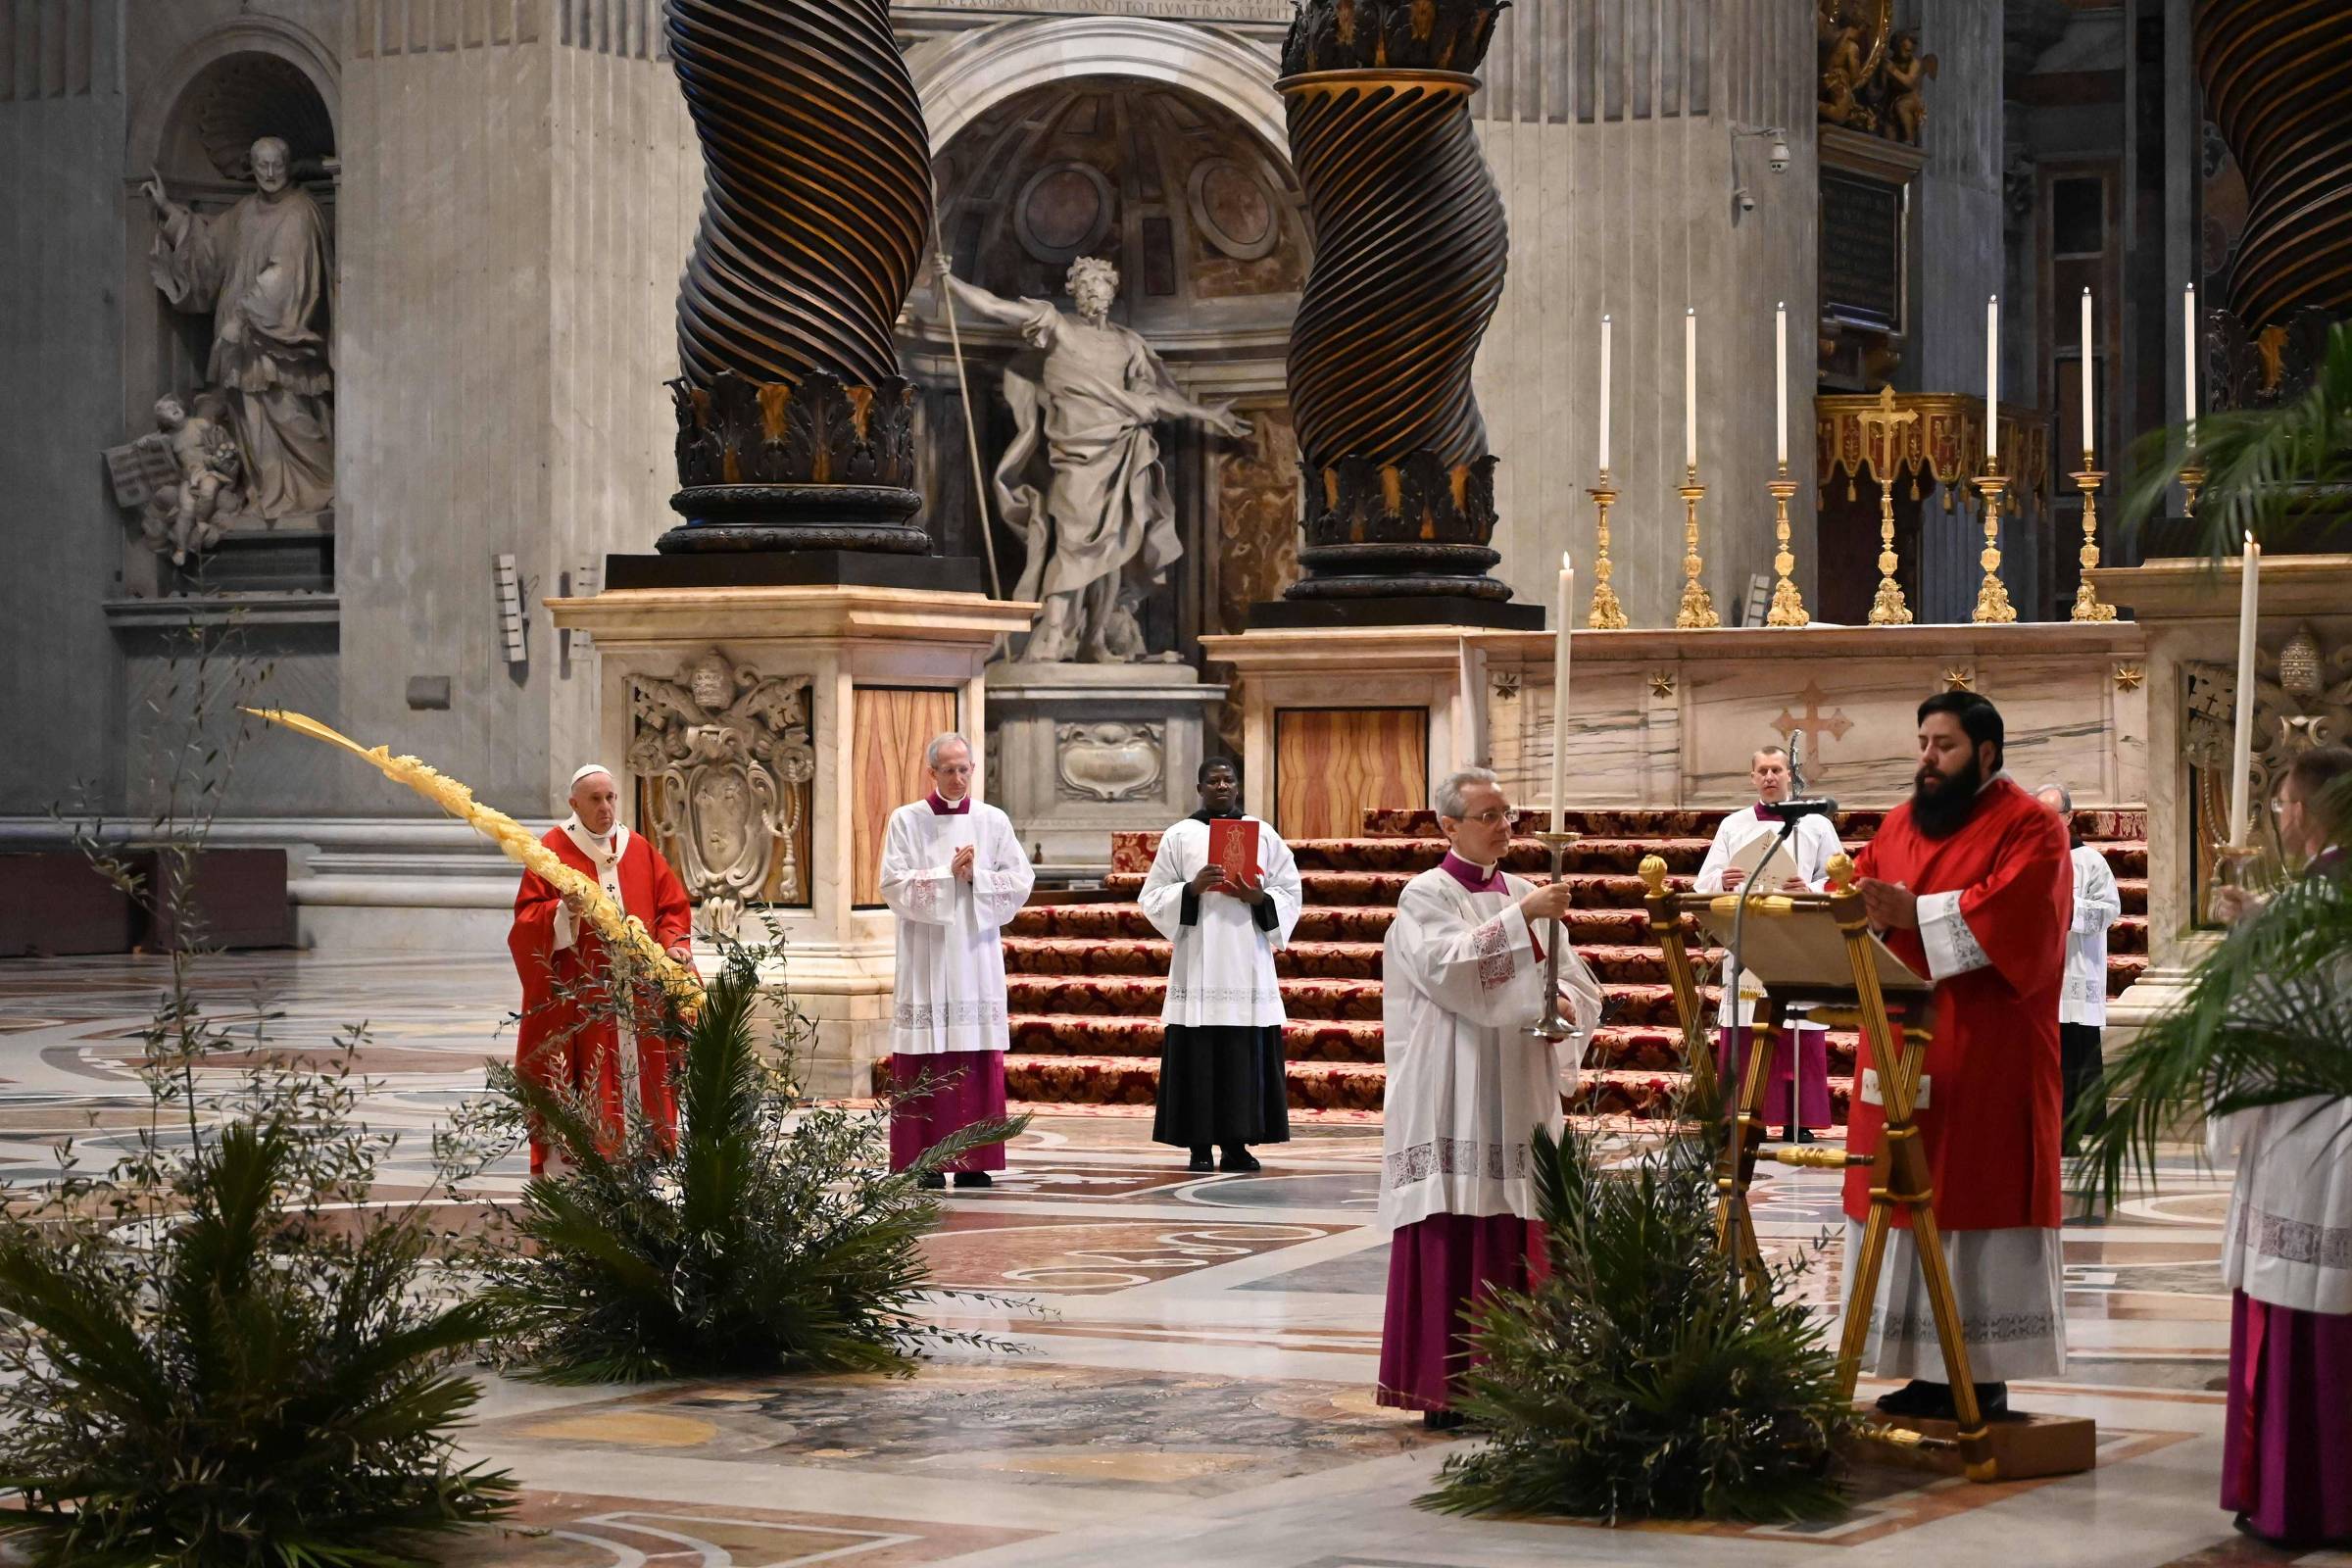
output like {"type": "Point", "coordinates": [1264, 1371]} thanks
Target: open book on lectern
{"type": "Point", "coordinates": [1802, 948]}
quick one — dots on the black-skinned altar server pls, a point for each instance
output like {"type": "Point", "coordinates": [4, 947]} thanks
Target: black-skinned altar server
{"type": "Point", "coordinates": [2286, 1448]}
{"type": "Point", "coordinates": [1970, 883]}
{"type": "Point", "coordinates": [954, 872]}
{"type": "Point", "coordinates": [1221, 1080]}
{"type": "Point", "coordinates": [1797, 1096]}
{"type": "Point", "coordinates": [1463, 969]}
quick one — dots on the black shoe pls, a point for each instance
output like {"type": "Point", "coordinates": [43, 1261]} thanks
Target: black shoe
{"type": "Point", "coordinates": [1931, 1402]}
{"type": "Point", "coordinates": [1239, 1158]}
{"type": "Point", "coordinates": [1441, 1420]}
{"type": "Point", "coordinates": [1804, 1135]}
{"type": "Point", "coordinates": [974, 1178]}
{"type": "Point", "coordinates": [1203, 1158]}
{"type": "Point", "coordinates": [931, 1182]}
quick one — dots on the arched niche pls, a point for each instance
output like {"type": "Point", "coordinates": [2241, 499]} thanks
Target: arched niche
{"type": "Point", "coordinates": [1047, 145]}
{"type": "Point", "coordinates": [195, 127]}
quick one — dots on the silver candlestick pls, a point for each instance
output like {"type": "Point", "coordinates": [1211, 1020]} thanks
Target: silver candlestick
{"type": "Point", "coordinates": [1552, 1025]}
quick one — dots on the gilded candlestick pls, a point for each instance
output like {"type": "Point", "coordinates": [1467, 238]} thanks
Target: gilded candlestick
{"type": "Point", "coordinates": [1890, 608]}
{"type": "Point", "coordinates": [1992, 597]}
{"type": "Point", "coordinates": [1699, 608]}
{"type": "Point", "coordinates": [2087, 604]}
{"type": "Point", "coordinates": [2192, 480]}
{"type": "Point", "coordinates": [1788, 604]}
{"type": "Point", "coordinates": [1608, 614]}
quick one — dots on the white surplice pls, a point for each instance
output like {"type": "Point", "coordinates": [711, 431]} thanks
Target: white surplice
{"type": "Point", "coordinates": [2288, 1240]}
{"type": "Point", "coordinates": [950, 985]}
{"type": "Point", "coordinates": [2097, 905]}
{"type": "Point", "coordinates": [1222, 973]}
{"type": "Point", "coordinates": [1468, 1085]}
{"type": "Point", "coordinates": [1806, 855]}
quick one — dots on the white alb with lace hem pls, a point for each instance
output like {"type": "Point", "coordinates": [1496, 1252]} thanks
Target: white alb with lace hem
{"type": "Point", "coordinates": [950, 968]}
{"type": "Point", "coordinates": [1221, 970]}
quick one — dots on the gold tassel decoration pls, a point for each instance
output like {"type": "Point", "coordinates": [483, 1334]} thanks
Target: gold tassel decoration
{"type": "Point", "coordinates": [518, 843]}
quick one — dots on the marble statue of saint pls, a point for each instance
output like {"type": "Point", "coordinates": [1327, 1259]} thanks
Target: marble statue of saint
{"type": "Point", "coordinates": [1106, 526]}
{"type": "Point", "coordinates": [262, 271]}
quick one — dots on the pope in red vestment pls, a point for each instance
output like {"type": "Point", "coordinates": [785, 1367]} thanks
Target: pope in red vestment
{"type": "Point", "coordinates": [1971, 885]}
{"type": "Point", "coordinates": [572, 1036]}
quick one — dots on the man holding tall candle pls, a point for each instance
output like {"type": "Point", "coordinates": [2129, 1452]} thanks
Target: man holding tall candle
{"type": "Point", "coordinates": [1469, 1083]}
{"type": "Point", "coordinates": [1971, 884]}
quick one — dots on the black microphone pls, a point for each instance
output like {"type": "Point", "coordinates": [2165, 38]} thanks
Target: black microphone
{"type": "Point", "coordinates": [1791, 811]}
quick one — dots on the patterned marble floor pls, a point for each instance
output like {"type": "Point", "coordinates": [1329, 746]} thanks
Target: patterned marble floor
{"type": "Point", "coordinates": [1197, 1353]}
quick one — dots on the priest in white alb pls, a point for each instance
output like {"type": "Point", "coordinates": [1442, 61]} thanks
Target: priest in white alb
{"type": "Point", "coordinates": [953, 873]}
{"type": "Point", "coordinates": [1469, 1084]}
{"type": "Point", "coordinates": [1221, 1078]}
{"type": "Point", "coordinates": [1797, 1096]}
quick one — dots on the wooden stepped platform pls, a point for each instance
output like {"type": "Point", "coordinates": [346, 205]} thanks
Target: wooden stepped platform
{"type": "Point", "coordinates": [1086, 977]}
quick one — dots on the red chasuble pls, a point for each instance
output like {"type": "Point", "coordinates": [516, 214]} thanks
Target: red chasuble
{"type": "Point", "coordinates": [1991, 1118]}
{"type": "Point", "coordinates": [558, 1044]}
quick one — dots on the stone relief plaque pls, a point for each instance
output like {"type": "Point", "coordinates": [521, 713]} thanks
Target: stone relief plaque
{"type": "Point", "coordinates": [725, 759]}
{"type": "Point", "coordinates": [1107, 762]}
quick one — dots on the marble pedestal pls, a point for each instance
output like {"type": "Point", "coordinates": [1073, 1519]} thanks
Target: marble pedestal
{"type": "Point", "coordinates": [2187, 612]}
{"type": "Point", "coordinates": [1079, 752]}
{"type": "Point", "coordinates": [886, 670]}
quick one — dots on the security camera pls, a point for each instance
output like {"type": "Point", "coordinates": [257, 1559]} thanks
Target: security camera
{"type": "Point", "coordinates": [1778, 158]}
{"type": "Point", "coordinates": [1747, 200]}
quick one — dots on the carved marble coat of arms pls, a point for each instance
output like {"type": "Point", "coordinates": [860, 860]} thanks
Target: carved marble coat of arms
{"type": "Point", "coordinates": [728, 752]}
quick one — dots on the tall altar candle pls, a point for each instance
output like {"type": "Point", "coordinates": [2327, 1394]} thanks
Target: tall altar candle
{"type": "Point", "coordinates": [1691, 387]}
{"type": "Point", "coordinates": [2242, 749]}
{"type": "Point", "coordinates": [2089, 444]}
{"type": "Point", "coordinates": [1605, 394]}
{"type": "Point", "coordinates": [1780, 384]}
{"type": "Point", "coordinates": [1992, 377]}
{"type": "Point", "coordinates": [1560, 695]}
{"type": "Point", "coordinates": [2188, 362]}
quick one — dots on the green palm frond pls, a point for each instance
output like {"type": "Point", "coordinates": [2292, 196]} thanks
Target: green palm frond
{"type": "Point", "coordinates": [2268, 1021]}
{"type": "Point", "coordinates": [2261, 466]}
{"type": "Point", "coordinates": [766, 1239]}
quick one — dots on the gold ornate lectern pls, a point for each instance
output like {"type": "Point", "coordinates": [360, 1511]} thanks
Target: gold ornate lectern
{"type": "Point", "coordinates": [1817, 948]}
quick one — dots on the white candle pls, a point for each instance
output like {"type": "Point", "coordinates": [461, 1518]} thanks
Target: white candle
{"type": "Point", "coordinates": [2089, 444]}
{"type": "Point", "coordinates": [1690, 388]}
{"type": "Point", "coordinates": [2241, 750]}
{"type": "Point", "coordinates": [2188, 362]}
{"type": "Point", "coordinates": [1780, 384]}
{"type": "Point", "coordinates": [1992, 377]}
{"type": "Point", "coordinates": [1559, 698]}
{"type": "Point", "coordinates": [1605, 394]}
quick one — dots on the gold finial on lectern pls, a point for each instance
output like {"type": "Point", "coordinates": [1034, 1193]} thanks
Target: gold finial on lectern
{"type": "Point", "coordinates": [1654, 873]}
{"type": "Point", "coordinates": [1841, 872]}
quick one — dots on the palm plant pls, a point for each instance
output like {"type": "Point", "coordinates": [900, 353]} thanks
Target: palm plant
{"type": "Point", "coordinates": [1641, 1380]}
{"type": "Point", "coordinates": [2263, 467]}
{"type": "Point", "coordinates": [2268, 1021]}
{"type": "Point", "coordinates": [766, 1240]}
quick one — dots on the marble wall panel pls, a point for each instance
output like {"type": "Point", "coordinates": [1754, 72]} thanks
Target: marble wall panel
{"type": "Point", "coordinates": [1331, 763]}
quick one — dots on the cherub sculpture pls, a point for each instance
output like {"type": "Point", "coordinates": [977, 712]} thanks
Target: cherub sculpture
{"type": "Point", "coordinates": [191, 512]}
{"type": "Point", "coordinates": [1904, 109]}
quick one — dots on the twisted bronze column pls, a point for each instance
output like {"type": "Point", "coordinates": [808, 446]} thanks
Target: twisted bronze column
{"type": "Point", "coordinates": [795, 429]}
{"type": "Point", "coordinates": [1411, 250]}
{"type": "Point", "coordinates": [2278, 81]}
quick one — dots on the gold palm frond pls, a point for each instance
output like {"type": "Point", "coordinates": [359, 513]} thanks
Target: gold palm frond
{"type": "Point", "coordinates": [516, 842]}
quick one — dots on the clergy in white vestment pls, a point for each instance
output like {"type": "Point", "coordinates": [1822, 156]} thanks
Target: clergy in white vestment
{"type": "Point", "coordinates": [953, 873]}
{"type": "Point", "coordinates": [2082, 1004]}
{"type": "Point", "coordinates": [2286, 1445]}
{"type": "Point", "coordinates": [1469, 1084]}
{"type": "Point", "coordinates": [1798, 1096]}
{"type": "Point", "coordinates": [1221, 1078]}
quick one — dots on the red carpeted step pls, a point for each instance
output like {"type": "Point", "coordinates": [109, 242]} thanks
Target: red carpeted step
{"type": "Point", "coordinates": [2128, 935]}
{"type": "Point", "coordinates": [1592, 891]}
{"type": "Point", "coordinates": [2134, 892]}
{"type": "Point", "coordinates": [1141, 996]}
{"type": "Point", "coordinates": [1134, 1080]}
{"type": "Point", "coordinates": [1077, 956]}
{"type": "Point", "coordinates": [1131, 854]}
{"type": "Point", "coordinates": [1071, 1033]}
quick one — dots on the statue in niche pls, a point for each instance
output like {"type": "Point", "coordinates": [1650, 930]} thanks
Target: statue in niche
{"type": "Point", "coordinates": [262, 271]}
{"type": "Point", "coordinates": [1104, 532]}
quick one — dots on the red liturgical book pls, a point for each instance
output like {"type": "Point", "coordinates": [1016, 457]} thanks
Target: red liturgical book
{"type": "Point", "coordinates": [1232, 845]}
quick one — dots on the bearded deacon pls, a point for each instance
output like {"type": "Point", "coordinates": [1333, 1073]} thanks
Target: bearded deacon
{"type": "Point", "coordinates": [1221, 1078]}
{"type": "Point", "coordinates": [953, 873]}
{"type": "Point", "coordinates": [578, 1038]}
{"type": "Point", "coordinates": [1469, 1084]}
{"type": "Point", "coordinates": [1970, 883]}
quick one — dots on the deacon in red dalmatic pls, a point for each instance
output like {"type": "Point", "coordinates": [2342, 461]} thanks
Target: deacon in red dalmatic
{"type": "Point", "coordinates": [1971, 884]}
{"type": "Point", "coordinates": [616, 1057]}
